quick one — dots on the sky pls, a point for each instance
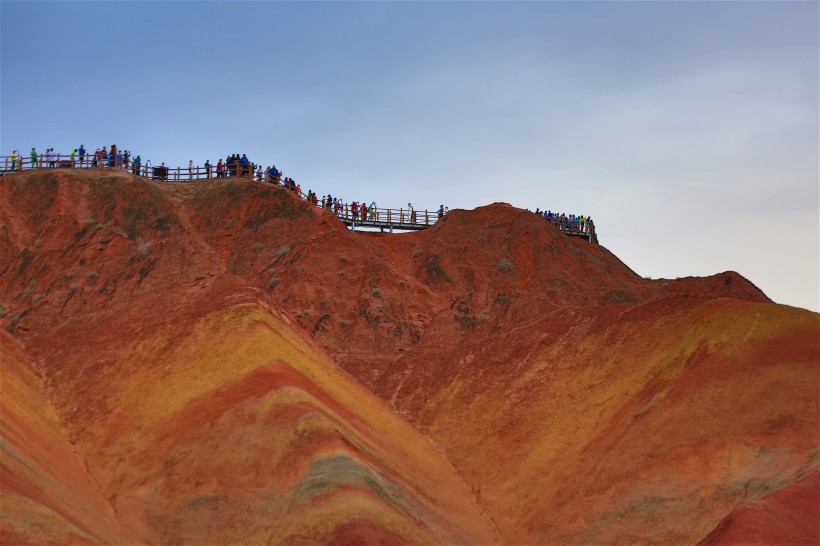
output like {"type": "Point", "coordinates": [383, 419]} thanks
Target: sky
{"type": "Point", "coordinates": [689, 131]}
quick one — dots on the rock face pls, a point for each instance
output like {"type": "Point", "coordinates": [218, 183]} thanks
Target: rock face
{"type": "Point", "coordinates": [788, 516]}
{"type": "Point", "coordinates": [222, 362]}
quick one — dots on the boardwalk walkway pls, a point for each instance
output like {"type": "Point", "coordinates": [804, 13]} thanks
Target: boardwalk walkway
{"type": "Point", "coordinates": [378, 218]}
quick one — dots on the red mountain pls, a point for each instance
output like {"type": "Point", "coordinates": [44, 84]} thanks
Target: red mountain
{"type": "Point", "coordinates": [222, 362]}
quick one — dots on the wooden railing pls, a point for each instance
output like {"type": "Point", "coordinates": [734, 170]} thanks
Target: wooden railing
{"type": "Point", "coordinates": [147, 170]}
{"type": "Point", "coordinates": [378, 217]}
{"type": "Point", "coordinates": [585, 229]}
{"type": "Point", "coordinates": [400, 218]}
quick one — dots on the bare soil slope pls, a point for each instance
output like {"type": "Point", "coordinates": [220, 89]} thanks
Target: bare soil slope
{"type": "Point", "coordinates": [215, 354]}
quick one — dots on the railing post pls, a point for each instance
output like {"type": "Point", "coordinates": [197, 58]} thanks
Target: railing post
{"type": "Point", "coordinates": [401, 216]}
{"type": "Point", "coordinates": [426, 218]}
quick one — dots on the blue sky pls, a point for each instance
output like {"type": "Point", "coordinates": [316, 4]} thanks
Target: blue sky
{"type": "Point", "coordinates": [688, 130]}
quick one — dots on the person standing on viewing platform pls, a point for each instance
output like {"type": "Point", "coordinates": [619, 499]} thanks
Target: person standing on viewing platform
{"type": "Point", "coordinates": [136, 162]}
{"type": "Point", "coordinates": [274, 174]}
{"type": "Point", "coordinates": [50, 158]}
{"type": "Point", "coordinates": [190, 169]}
{"type": "Point", "coordinates": [207, 168]}
{"type": "Point", "coordinates": [220, 169]}
{"type": "Point", "coordinates": [14, 157]}
{"type": "Point", "coordinates": [260, 174]}
{"type": "Point", "coordinates": [112, 155]}
{"type": "Point", "coordinates": [441, 211]}
{"type": "Point", "coordinates": [245, 165]}
{"type": "Point", "coordinates": [73, 156]}
{"type": "Point", "coordinates": [81, 152]}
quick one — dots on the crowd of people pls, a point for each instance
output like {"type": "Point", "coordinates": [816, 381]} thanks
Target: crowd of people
{"type": "Point", "coordinates": [568, 222]}
{"type": "Point", "coordinates": [79, 157]}
{"type": "Point", "coordinates": [232, 166]}
{"type": "Point", "coordinates": [356, 210]}
{"type": "Point", "coordinates": [238, 165]}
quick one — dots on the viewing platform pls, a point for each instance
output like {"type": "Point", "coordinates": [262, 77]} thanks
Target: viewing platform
{"type": "Point", "coordinates": [383, 225]}
{"type": "Point", "coordinates": [381, 219]}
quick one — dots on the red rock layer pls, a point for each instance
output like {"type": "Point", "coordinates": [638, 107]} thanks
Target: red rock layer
{"type": "Point", "coordinates": [46, 496]}
{"type": "Point", "coordinates": [789, 516]}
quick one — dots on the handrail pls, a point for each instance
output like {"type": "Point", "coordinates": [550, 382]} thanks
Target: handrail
{"type": "Point", "coordinates": [376, 216]}
{"type": "Point", "coordinates": [155, 172]}
{"type": "Point", "coordinates": [409, 218]}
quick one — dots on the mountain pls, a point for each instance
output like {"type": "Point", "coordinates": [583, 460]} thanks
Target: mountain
{"type": "Point", "coordinates": [223, 362]}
